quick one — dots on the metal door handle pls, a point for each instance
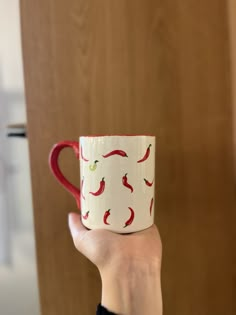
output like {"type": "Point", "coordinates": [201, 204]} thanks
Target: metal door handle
{"type": "Point", "coordinates": [16, 130]}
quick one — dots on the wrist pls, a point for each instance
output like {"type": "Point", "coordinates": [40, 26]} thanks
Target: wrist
{"type": "Point", "coordinates": [132, 287]}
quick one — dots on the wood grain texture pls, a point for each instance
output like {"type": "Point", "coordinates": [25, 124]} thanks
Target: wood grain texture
{"type": "Point", "coordinates": [232, 32]}
{"type": "Point", "coordinates": [136, 66]}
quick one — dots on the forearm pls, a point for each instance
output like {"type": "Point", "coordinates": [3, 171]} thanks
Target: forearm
{"type": "Point", "coordinates": [132, 289]}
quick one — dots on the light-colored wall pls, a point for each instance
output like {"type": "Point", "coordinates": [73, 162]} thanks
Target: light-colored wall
{"type": "Point", "coordinates": [12, 109]}
{"type": "Point", "coordinates": [18, 280]}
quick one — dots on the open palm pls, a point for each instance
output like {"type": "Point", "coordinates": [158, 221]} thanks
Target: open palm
{"type": "Point", "coordinates": [105, 248]}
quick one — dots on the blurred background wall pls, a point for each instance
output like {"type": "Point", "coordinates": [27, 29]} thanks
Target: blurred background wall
{"type": "Point", "coordinates": [18, 280]}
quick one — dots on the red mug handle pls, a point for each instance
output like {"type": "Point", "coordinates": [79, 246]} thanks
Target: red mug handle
{"type": "Point", "coordinates": [53, 163]}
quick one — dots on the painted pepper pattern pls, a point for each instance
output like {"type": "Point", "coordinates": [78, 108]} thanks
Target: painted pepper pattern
{"type": "Point", "coordinates": [151, 206]}
{"type": "Point", "coordinates": [81, 188]}
{"type": "Point", "coordinates": [100, 189]}
{"type": "Point", "coordinates": [116, 152]}
{"type": "Point", "coordinates": [146, 155]}
{"type": "Point", "coordinates": [82, 155]}
{"type": "Point", "coordinates": [106, 216]}
{"type": "Point", "coordinates": [93, 166]}
{"type": "Point", "coordinates": [149, 184]}
{"type": "Point", "coordinates": [86, 215]}
{"type": "Point", "coordinates": [131, 218]}
{"type": "Point", "coordinates": [125, 182]}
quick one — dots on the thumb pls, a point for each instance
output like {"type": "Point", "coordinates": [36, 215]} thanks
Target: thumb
{"type": "Point", "coordinates": [75, 225]}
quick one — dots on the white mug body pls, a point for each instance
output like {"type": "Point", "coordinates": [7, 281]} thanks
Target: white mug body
{"type": "Point", "coordinates": [117, 175]}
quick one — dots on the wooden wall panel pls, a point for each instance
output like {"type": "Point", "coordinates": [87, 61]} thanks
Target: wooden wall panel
{"type": "Point", "coordinates": [232, 33]}
{"type": "Point", "coordinates": [135, 67]}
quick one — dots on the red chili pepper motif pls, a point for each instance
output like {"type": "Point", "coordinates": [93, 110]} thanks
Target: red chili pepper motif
{"type": "Point", "coordinates": [85, 217]}
{"type": "Point", "coordinates": [151, 206]}
{"type": "Point", "coordinates": [131, 218]}
{"type": "Point", "coordinates": [125, 182]}
{"type": "Point", "coordinates": [82, 156]}
{"type": "Point", "coordinates": [100, 189]}
{"type": "Point", "coordinates": [106, 215]}
{"type": "Point", "coordinates": [81, 189]}
{"type": "Point", "coordinates": [116, 152]}
{"type": "Point", "coordinates": [149, 184]}
{"type": "Point", "coordinates": [146, 155]}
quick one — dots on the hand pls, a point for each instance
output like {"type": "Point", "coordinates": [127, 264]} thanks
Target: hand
{"type": "Point", "coordinates": [127, 263]}
{"type": "Point", "coordinates": [104, 248]}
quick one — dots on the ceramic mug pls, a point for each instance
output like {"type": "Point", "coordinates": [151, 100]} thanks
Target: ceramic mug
{"type": "Point", "coordinates": [117, 175]}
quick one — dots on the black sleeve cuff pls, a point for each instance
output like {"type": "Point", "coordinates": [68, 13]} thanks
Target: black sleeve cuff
{"type": "Point", "coordinates": [103, 311]}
